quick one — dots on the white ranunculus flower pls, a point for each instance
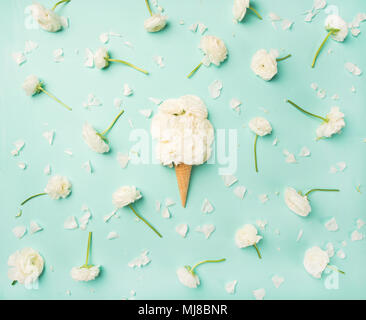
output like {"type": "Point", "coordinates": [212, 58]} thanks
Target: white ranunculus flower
{"type": "Point", "coordinates": [297, 202]}
{"type": "Point", "coordinates": [214, 49]}
{"type": "Point", "coordinates": [85, 273]}
{"type": "Point", "coordinates": [315, 261]}
{"type": "Point", "coordinates": [247, 236]}
{"type": "Point", "coordinates": [31, 85]}
{"type": "Point", "coordinates": [260, 126]}
{"type": "Point", "coordinates": [264, 64]}
{"type": "Point", "coordinates": [240, 9]}
{"type": "Point", "coordinates": [335, 123]}
{"type": "Point", "coordinates": [58, 187]}
{"type": "Point", "coordinates": [125, 196]}
{"type": "Point", "coordinates": [94, 140]}
{"type": "Point", "coordinates": [183, 132]}
{"type": "Point", "coordinates": [335, 22]}
{"type": "Point", "coordinates": [46, 18]}
{"type": "Point", "coordinates": [101, 58]}
{"type": "Point", "coordinates": [188, 278]}
{"type": "Point", "coordinates": [26, 266]}
{"type": "Point", "coordinates": [155, 23]}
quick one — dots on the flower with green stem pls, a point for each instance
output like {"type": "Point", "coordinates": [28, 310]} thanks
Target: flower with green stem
{"type": "Point", "coordinates": [47, 19]}
{"type": "Point", "coordinates": [261, 127]}
{"type": "Point", "coordinates": [86, 272]}
{"type": "Point", "coordinates": [102, 60]}
{"type": "Point", "coordinates": [299, 203]}
{"type": "Point", "coordinates": [187, 275]}
{"type": "Point", "coordinates": [215, 52]}
{"type": "Point", "coordinates": [332, 123]}
{"type": "Point", "coordinates": [247, 236]}
{"type": "Point", "coordinates": [127, 195]}
{"type": "Point", "coordinates": [95, 140]}
{"type": "Point", "coordinates": [316, 260]}
{"type": "Point", "coordinates": [337, 29]}
{"type": "Point", "coordinates": [58, 187]}
{"type": "Point", "coordinates": [32, 86]}
{"type": "Point", "coordinates": [155, 22]}
{"type": "Point", "coordinates": [240, 9]}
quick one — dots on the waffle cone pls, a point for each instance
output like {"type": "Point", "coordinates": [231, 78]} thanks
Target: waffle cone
{"type": "Point", "coordinates": [183, 173]}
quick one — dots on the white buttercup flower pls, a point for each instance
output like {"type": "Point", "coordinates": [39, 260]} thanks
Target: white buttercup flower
{"type": "Point", "coordinates": [86, 272]}
{"type": "Point", "coordinates": [332, 123]}
{"type": "Point", "coordinates": [32, 85]}
{"type": "Point", "coordinates": [248, 236]}
{"type": "Point", "coordinates": [127, 195]}
{"type": "Point", "coordinates": [240, 9]}
{"type": "Point", "coordinates": [155, 22]}
{"type": "Point", "coordinates": [188, 277]}
{"type": "Point", "coordinates": [57, 187]}
{"type": "Point", "coordinates": [47, 19]}
{"type": "Point", "coordinates": [26, 266]}
{"type": "Point", "coordinates": [261, 127]}
{"type": "Point", "coordinates": [95, 140]}
{"type": "Point", "coordinates": [215, 52]}
{"type": "Point", "coordinates": [299, 203]}
{"type": "Point", "coordinates": [264, 64]}
{"type": "Point", "coordinates": [102, 60]}
{"type": "Point", "coordinates": [337, 29]}
{"type": "Point", "coordinates": [315, 261]}
{"type": "Point", "coordinates": [183, 132]}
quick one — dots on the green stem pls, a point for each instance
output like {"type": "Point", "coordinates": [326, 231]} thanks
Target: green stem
{"type": "Point", "coordinates": [307, 112]}
{"type": "Point", "coordinates": [255, 153]}
{"type": "Point", "coordinates": [335, 269]}
{"type": "Point", "coordinates": [148, 7]}
{"type": "Point", "coordinates": [312, 190]}
{"type": "Point", "coordinates": [14, 282]}
{"type": "Point", "coordinates": [53, 97]}
{"type": "Point", "coordinates": [194, 70]}
{"type": "Point", "coordinates": [255, 12]}
{"type": "Point", "coordinates": [284, 58]}
{"type": "Point", "coordinates": [256, 248]}
{"type": "Point", "coordinates": [112, 124]}
{"type": "Point", "coordinates": [31, 197]}
{"type": "Point", "coordinates": [147, 223]}
{"type": "Point", "coordinates": [88, 250]}
{"type": "Point", "coordinates": [206, 261]}
{"type": "Point", "coordinates": [321, 46]}
{"type": "Point", "coordinates": [129, 64]}
{"type": "Point", "coordinates": [62, 1]}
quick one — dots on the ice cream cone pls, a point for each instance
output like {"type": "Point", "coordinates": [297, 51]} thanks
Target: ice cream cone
{"type": "Point", "coordinates": [183, 173]}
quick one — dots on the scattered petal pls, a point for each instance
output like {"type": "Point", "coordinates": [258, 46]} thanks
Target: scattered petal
{"type": "Point", "coordinates": [70, 223]}
{"type": "Point", "coordinates": [231, 286]}
{"type": "Point", "coordinates": [215, 89]}
{"type": "Point", "coordinates": [299, 235]}
{"type": "Point", "coordinates": [19, 231]}
{"type": "Point", "coordinates": [356, 236]}
{"type": "Point", "coordinates": [331, 225]}
{"type": "Point", "coordinates": [146, 113]}
{"type": "Point", "coordinates": [240, 191]}
{"type": "Point", "coordinates": [166, 213]}
{"type": "Point", "coordinates": [123, 159]}
{"type": "Point", "coordinates": [112, 235]}
{"type": "Point", "coordinates": [206, 229]}
{"type": "Point", "coordinates": [87, 166]}
{"type": "Point", "coordinates": [207, 206]}
{"type": "Point", "coordinates": [263, 198]}
{"type": "Point", "coordinates": [127, 91]}
{"type": "Point", "coordinates": [34, 227]}
{"type": "Point", "coordinates": [182, 229]}
{"type": "Point", "coordinates": [58, 55]}
{"type": "Point", "coordinates": [47, 170]}
{"type": "Point", "coordinates": [140, 261]}
{"type": "Point", "coordinates": [92, 101]}
{"type": "Point", "coordinates": [89, 58]}
{"type": "Point", "coordinates": [229, 180]}
{"type": "Point", "coordinates": [48, 135]}
{"type": "Point", "coordinates": [259, 294]}
{"type": "Point", "coordinates": [19, 58]}
{"type": "Point", "coordinates": [304, 152]}
{"type": "Point", "coordinates": [352, 68]}
{"type": "Point", "coordinates": [277, 281]}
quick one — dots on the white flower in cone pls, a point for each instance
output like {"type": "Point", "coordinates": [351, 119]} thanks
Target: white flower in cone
{"type": "Point", "coordinates": [297, 203]}
{"type": "Point", "coordinates": [84, 273]}
{"type": "Point", "coordinates": [26, 266]}
{"type": "Point", "coordinates": [125, 196]}
{"type": "Point", "coordinates": [240, 9]}
{"type": "Point", "coordinates": [188, 278]}
{"type": "Point", "coordinates": [155, 23]}
{"type": "Point", "coordinates": [214, 49]}
{"type": "Point", "coordinates": [46, 18]}
{"type": "Point", "coordinates": [58, 187]}
{"type": "Point", "coordinates": [94, 140]}
{"type": "Point", "coordinates": [334, 124]}
{"type": "Point", "coordinates": [31, 85]}
{"type": "Point", "coordinates": [335, 22]}
{"type": "Point", "coordinates": [315, 261]}
{"type": "Point", "coordinates": [183, 132]}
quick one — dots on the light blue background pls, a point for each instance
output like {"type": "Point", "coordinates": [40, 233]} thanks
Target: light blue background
{"type": "Point", "coordinates": [24, 118]}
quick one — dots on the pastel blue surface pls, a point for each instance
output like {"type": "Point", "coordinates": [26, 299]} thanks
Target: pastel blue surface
{"type": "Point", "coordinates": [27, 118]}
